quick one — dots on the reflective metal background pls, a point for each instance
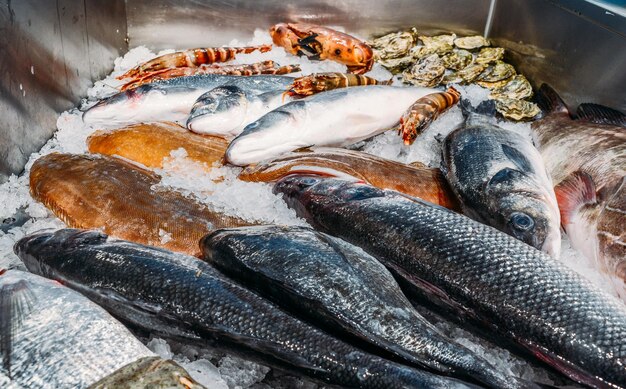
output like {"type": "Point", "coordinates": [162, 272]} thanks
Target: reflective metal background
{"type": "Point", "coordinates": [49, 53]}
{"type": "Point", "coordinates": [195, 23]}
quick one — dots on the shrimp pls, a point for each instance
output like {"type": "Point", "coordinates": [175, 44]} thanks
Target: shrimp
{"type": "Point", "coordinates": [192, 58]}
{"type": "Point", "coordinates": [424, 111]}
{"type": "Point", "coordinates": [320, 82]}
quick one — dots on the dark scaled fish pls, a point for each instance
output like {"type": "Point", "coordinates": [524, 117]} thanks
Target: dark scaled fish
{"type": "Point", "coordinates": [53, 337]}
{"type": "Point", "coordinates": [339, 287]}
{"type": "Point", "coordinates": [475, 271]}
{"type": "Point", "coordinates": [175, 295]}
{"type": "Point", "coordinates": [89, 191]}
{"type": "Point", "coordinates": [500, 179]}
{"type": "Point", "coordinates": [587, 161]}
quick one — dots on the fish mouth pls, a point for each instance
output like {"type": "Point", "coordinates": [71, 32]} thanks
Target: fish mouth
{"type": "Point", "coordinates": [28, 248]}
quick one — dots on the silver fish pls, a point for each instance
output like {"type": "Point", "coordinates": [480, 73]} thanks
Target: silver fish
{"type": "Point", "coordinates": [334, 118]}
{"type": "Point", "coordinates": [341, 288]}
{"type": "Point", "coordinates": [226, 110]}
{"type": "Point", "coordinates": [53, 337]}
{"type": "Point", "coordinates": [587, 160]}
{"type": "Point", "coordinates": [500, 179]}
{"type": "Point", "coordinates": [477, 273]}
{"type": "Point", "coordinates": [171, 100]}
{"type": "Point", "coordinates": [178, 295]}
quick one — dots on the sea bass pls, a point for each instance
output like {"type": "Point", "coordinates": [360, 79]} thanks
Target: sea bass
{"type": "Point", "coordinates": [587, 162]}
{"type": "Point", "coordinates": [150, 143]}
{"type": "Point", "coordinates": [170, 100]}
{"type": "Point", "coordinates": [335, 118]}
{"type": "Point", "coordinates": [227, 110]}
{"type": "Point", "coordinates": [175, 295]}
{"type": "Point", "coordinates": [339, 287]}
{"type": "Point", "coordinates": [476, 272]}
{"type": "Point", "coordinates": [54, 337]}
{"type": "Point", "coordinates": [415, 179]}
{"type": "Point", "coordinates": [500, 179]}
{"type": "Point", "coordinates": [88, 191]}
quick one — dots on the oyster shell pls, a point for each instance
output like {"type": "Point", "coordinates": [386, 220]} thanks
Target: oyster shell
{"type": "Point", "coordinates": [465, 75]}
{"type": "Point", "coordinates": [517, 109]}
{"type": "Point", "coordinates": [457, 59]}
{"type": "Point", "coordinates": [497, 72]}
{"type": "Point", "coordinates": [426, 72]}
{"type": "Point", "coordinates": [495, 84]}
{"type": "Point", "coordinates": [439, 44]}
{"type": "Point", "coordinates": [471, 42]}
{"type": "Point", "coordinates": [394, 45]}
{"type": "Point", "coordinates": [490, 54]}
{"type": "Point", "coordinates": [517, 88]}
{"type": "Point", "coordinates": [397, 65]}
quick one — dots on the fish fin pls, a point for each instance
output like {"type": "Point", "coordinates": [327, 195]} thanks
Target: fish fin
{"type": "Point", "coordinates": [305, 149]}
{"type": "Point", "coordinates": [573, 192]}
{"type": "Point", "coordinates": [549, 101]}
{"type": "Point", "coordinates": [600, 114]}
{"type": "Point", "coordinates": [517, 158]}
{"type": "Point", "coordinates": [308, 40]}
{"type": "Point", "coordinates": [417, 164]}
{"type": "Point", "coordinates": [16, 302]}
{"type": "Point", "coordinates": [486, 108]}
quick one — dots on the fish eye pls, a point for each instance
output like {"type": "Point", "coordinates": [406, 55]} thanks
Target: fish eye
{"type": "Point", "coordinates": [305, 182]}
{"type": "Point", "coordinates": [337, 51]}
{"type": "Point", "coordinates": [521, 221]}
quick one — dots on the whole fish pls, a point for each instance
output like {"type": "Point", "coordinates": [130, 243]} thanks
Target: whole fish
{"type": "Point", "coordinates": [88, 191]}
{"type": "Point", "coordinates": [54, 337]}
{"type": "Point", "coordinates": [500, 179]}
{"type": "Point", "coordinates": [343, 289]}
{"type": "Point", "coordinates": [170, 100]}
{"type": "Point", "coordinates": [175, 295]}
{"type": "Point", "coordinates": [587, 162]}
{"type": "Point", "coordinates": [227, 110]}
{"type": "Point", "coordinates": [476, 272]}
{"type": "Point", "coordinates": [414, 179]}
{"type": "Point", "coordinates": [149, 143]}
{"type": "Point", "coordinates": [335, 118]}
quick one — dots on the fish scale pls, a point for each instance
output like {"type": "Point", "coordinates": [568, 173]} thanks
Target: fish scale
{"type": "Point", "coordinates": [506, 284]}
{"type": "Point", "coordinates": [177, 295]}
{"type": "Point", "coordinates": [340, 287]}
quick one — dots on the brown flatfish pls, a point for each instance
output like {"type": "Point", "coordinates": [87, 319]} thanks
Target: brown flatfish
{"type": "Point", "coordinates": [149, 143]}
{"type": "Point", "coordinates": [94, 191]}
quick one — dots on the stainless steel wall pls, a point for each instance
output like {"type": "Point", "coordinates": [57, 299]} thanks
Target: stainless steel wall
{"type": "Point", "coordinates": [576, 47]}
{"type": "Point", "coordinates": [50, 51]}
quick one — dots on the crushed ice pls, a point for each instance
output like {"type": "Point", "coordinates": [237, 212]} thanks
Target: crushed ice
{"type": "Point", "coordinates": [221, 189]}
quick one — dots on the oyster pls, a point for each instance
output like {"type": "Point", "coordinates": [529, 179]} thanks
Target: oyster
{"type": "Point", "coordinates": [439, 44]}
{"type": "Point", "coordinates": [494, 84]}
{"type": "Point", "coordinates": [457, 59]}
{"type": "Point", "coordinates": [497, 72]}
{"type": "Point", "coordinates": [426, 72]}
{"type": "Point", "coordinates": [394, 45]}
{"type": "Point", "coordinates": [471, 42]}
{"type": "Point", "coordinates": [397, 65]}
{"type": "Point", "coordinates": [466, 75]}
{"type": "Point", "coordinates": [490, 54]}
{"type": "Point", "coordinates": [517, 88]}
{"type": "Point", "coordinates": [517, 109]}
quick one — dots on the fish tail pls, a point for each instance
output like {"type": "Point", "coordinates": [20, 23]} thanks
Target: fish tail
{"type": "Point", "coordinates": [549, 101]}
{"type": "Point", "coordinates": [16, 302]}
{"type": "Point", "coordinates": [486, 108]}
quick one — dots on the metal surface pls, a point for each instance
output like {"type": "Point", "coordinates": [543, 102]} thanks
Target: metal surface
{"type": "Point", "coordinates": [181, 24]}
{"type": "Point", "coordinates": [50, 53]}
{"type": "Point", "coordinates": [574, 46]}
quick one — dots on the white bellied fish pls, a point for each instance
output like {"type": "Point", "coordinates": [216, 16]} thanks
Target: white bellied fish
{"type": "Point", "coordinates": [335, 118]}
